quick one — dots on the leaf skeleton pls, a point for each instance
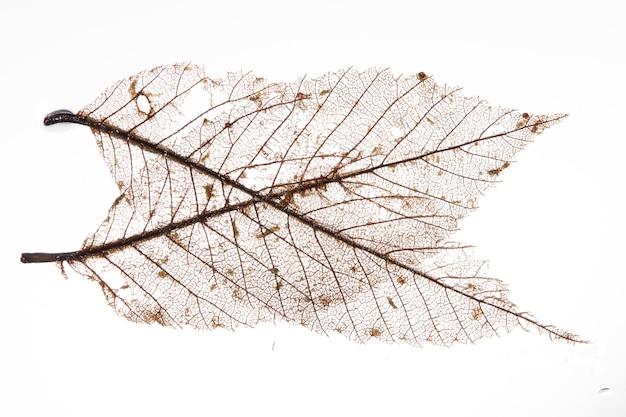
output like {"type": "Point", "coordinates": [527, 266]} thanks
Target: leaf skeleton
{"type": "Point", "coordinates": [326, 203]}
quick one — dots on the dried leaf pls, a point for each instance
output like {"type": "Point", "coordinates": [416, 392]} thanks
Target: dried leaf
{"type": "Point", "coordinates": [326, 203]}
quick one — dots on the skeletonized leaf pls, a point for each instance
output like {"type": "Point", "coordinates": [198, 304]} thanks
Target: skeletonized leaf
{"type": "Point", "coordinates": [326, 202]}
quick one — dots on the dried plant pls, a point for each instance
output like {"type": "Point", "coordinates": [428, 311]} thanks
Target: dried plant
{"type": "Point", "coordinates": [326, 203]}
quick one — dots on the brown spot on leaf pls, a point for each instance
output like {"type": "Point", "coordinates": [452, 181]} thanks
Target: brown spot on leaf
{"type": "Point", "coordinates": [153, 317]}
{"type": "Point", "coordinates": [324, 300]}
{"type": "Point", "coordinates": [256, 98]}
{"type": "Point", "coordinates": [216, 322]}
{"type": "Point", "coordinates": [286, 200]}
{"type": "Point", "coordinates": [268, 231]}
{"type": "Point", "coordinates": [132, 88]}
{"type": "Point", "coordinates": [235, 229]}
{"type": "Point", "coordinates": [237, 295]}
{"type": "Point", "coordinates": [537, 125]}
{"type": "Point", "coordinates": [374, 332]}
{"type": "Point", "coordinates": [497, 171]}
{"type": "Point", "coordinates": [208, 191]}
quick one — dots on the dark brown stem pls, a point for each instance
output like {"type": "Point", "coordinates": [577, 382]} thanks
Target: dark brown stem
{"type": "Point", "coordinates": [62, 116]}
{"type": "Point", "coordinates": [39, 257]}
{"type": "Point", "coordinates": [58, 116]}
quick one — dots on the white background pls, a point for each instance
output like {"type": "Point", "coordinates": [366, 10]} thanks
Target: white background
{"type": "Point", "coordinates": [553, 229]}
